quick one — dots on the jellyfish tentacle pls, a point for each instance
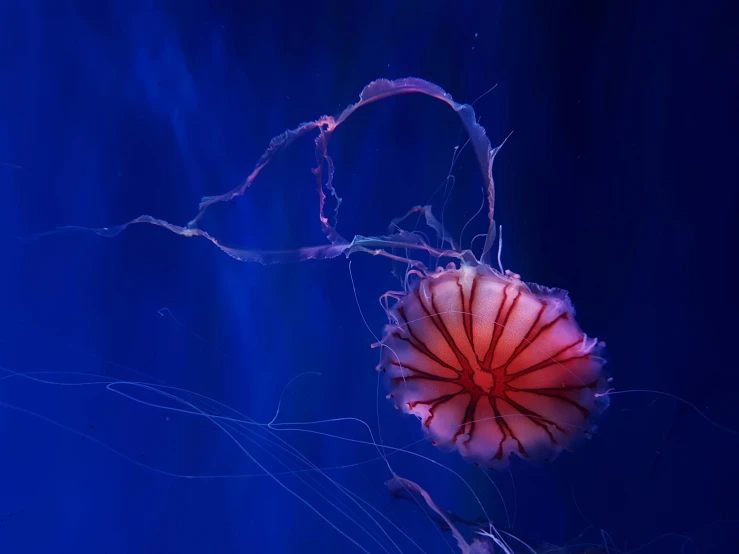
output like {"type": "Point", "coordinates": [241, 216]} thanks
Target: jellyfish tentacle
{"type": "Point", "coordinates": [326, 125]}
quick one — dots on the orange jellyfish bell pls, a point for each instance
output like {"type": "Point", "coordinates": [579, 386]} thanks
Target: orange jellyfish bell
{"type": "Point", "coordinates": [492, 365]}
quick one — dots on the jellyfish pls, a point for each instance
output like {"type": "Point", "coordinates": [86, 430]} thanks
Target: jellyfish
{"type": "Point", "coordinates": [491, 365]}
{"type": "Point", "coordinates": [494, 367]}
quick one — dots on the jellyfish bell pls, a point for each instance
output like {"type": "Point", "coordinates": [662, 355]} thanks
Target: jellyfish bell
{"type": "Point", "coordinates": [492, 366]}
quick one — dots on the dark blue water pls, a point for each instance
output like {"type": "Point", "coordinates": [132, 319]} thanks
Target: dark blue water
{"type": "Point", "coordinates": [619, 183]}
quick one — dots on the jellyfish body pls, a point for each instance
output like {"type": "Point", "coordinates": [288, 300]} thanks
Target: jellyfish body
{"type": "Point", "coordinates": [492, 366]}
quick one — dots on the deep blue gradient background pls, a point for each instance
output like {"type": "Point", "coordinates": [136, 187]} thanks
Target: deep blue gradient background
{"type": "Point", "coordinates": [619, 184]}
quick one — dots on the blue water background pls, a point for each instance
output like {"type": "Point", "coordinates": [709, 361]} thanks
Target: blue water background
{"type": "Point", "coordinates": [619, 183]}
